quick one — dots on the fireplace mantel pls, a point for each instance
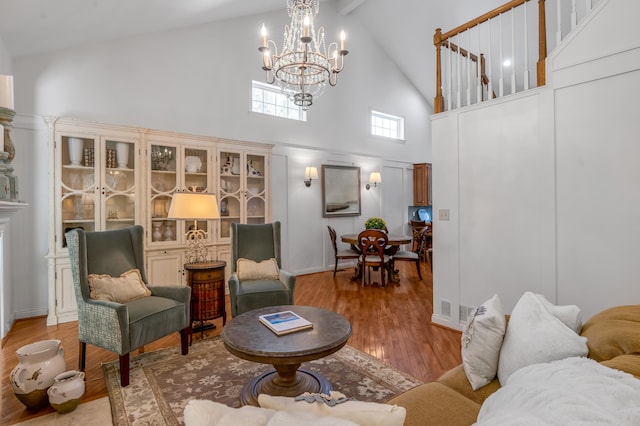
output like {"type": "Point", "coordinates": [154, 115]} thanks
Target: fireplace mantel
{"type": "Point", "coordinates": [11, 206]}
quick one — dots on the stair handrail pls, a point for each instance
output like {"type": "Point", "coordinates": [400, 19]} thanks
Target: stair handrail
{"type": "Point", "coordinates": [440, 40]}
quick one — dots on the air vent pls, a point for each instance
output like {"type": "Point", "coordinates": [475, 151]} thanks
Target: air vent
{"type": "Point", "coordinates": [445, 308]}
{"type": "Point", "coordinates": [465, 312]}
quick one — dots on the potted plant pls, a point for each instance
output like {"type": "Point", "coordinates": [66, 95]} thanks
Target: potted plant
{"type": "Point", "coordinates": [375, 223]}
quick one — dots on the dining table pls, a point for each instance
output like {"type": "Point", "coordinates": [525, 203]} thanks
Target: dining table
{"type": "Point", "coordinates": [394, 241]}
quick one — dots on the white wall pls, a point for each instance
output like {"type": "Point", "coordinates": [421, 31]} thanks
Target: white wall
{"type": "Point", "coordinates": [5, 59]}
{"type": "Point", "coordinates": [542, 187]}
{"type": "Point", "coordinates": [197, 80]}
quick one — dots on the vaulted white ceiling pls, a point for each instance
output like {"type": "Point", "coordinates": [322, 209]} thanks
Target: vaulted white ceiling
{"type": "Point", "coordinates": [402, 28]}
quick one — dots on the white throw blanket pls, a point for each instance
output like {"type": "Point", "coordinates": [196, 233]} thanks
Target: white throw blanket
{"type": "Point", "coordinates": [572, 391]}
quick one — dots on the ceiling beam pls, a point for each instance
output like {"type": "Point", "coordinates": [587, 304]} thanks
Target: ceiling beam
{"type": "Point", "coordinates": [345, 7]}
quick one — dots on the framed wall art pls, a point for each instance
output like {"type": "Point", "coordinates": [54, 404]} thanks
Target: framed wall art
{"type": "Point", "coordinates": [340, 191]}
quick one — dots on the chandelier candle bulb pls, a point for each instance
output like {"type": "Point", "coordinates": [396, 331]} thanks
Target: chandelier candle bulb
{"type": "Point", "coordinates": [343, 37]}
{"type": "Point", "coordinates": [263, 32]}
{"type": "Point", "coordinates": [305, 30]}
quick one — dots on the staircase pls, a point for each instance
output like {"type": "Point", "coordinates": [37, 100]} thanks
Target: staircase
{"type": "Point", "coordinates": [493, 55]}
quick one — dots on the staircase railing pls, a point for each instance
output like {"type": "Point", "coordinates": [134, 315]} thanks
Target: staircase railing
{"type": "Point", "coordinates": [500, 43]}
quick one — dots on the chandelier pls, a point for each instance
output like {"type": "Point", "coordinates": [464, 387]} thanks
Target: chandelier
{"type": "Point", "coordinates": [305, 65]}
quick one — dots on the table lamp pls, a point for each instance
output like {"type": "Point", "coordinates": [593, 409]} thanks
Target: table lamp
{"type": "Point", "coordinates": [194, 206]}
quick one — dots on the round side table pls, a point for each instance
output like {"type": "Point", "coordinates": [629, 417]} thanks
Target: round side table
{"type": "Point", "coordinates": [206, 280]}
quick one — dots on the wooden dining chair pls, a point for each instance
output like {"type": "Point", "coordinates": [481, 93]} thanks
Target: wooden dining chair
{"type": "Point", "coordinates": [340, 254]}
{"type": "Point", "coordinates": [372, 244]}
{"type": "Point", "coordinates": [413, 256]}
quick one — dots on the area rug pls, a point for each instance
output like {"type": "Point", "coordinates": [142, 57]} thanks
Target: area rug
{"type": "Point", "coordinates": [162, 382]}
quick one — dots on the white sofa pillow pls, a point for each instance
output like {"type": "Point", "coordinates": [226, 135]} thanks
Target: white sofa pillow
{"type": "Point", "coordinates": [358, 412]}
{"type": "Point", "coordinates": [481, 342]}
{"type": "Point", "coordinates": [209, 413]}
{"type": "Point", "coordinates": [570, 315]}
{"type": "Point", "coordinates": [535, 335]}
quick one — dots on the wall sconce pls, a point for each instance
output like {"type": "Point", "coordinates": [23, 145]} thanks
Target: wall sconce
{"type": "Point", "coordinates": [375, 179]}
{"type": "Point", "coordinates": [310, 173]}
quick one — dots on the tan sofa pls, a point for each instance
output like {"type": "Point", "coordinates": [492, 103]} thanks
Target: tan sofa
{"type": "Point", "coordinates": [613, 340]}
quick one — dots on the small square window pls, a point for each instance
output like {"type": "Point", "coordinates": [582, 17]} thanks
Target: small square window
{"type": "Point", "coordinates": [269, 99]}
{"type": "Point", "coordinates": [387, 125]}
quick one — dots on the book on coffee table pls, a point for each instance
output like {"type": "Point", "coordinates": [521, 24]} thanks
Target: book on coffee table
{"type": "Point", "coordinates": [284, 322]}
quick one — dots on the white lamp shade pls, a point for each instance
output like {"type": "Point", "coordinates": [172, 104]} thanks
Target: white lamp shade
{"type": "Point", "coordinates": [6, 91]}
{"type": "Point", "coordinates": [375, 177]}
{"type": "Point", "coordinates": [311, 173]}
{"type": "Point", "coordinates": [193, 205]}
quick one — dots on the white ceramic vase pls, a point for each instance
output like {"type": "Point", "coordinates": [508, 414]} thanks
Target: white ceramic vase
{"type": "Point", "coordinates": [75, 151]}
{"type": "Point", "coordinates": [235, 167]}
{"type": "Point", "coordinates": [39, 364]}
{"type": "Point", "coordinates": [66, 391]}
{"type": "Point", "coordinates": [122, 154]}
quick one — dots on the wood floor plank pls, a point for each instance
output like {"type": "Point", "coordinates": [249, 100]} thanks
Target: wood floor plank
{"type": "Point", "coordinates": [392, 324]}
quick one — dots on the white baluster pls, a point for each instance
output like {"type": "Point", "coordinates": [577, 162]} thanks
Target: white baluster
{"type": "Point", "coordinates": [458, 74]}
{"type": "Point", "coordinates": [526, 49]}
{"type": "Point", "coordinates": [489, 59]}
{"type": "Point", "coordinates": [501, 78]}
{"type": "Point", "coordinates": [479, 68]}
{"type": "Point", "coordinates": [589, 5]}
{"type": "Point", "coordinates": [559, 23]}
{"type": "Point", "coordinates": [468, 67]}
{"type": "Point", "coordinates": [574, 14]}
{"type": "Point", "coordinates": [513, 51]}
{"type": "Point", "coordinates": [449, 77]}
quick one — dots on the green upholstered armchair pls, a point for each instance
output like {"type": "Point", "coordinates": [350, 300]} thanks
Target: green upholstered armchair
{"type": "Point", "coordinates": [258, 243]}
{"type": "Point", "coordinates": [122, 327]}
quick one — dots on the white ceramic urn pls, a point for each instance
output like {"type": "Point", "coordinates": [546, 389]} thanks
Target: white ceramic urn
{"type": "Point", "coordinates": [66, 391]}
{"type": "Point", "coordinates": [75, 151]}
{"type": "Point", "coordinates": [39, 364]}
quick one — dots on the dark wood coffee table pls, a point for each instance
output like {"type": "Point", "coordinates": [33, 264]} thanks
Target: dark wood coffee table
{"type": "Point", "coordinates": [247, 338]}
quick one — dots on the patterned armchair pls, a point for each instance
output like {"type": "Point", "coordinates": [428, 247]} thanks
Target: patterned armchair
{"type": "Point", "coordinates": [122, 327]}
{"type": "Point", "coordinates": [258, 243]}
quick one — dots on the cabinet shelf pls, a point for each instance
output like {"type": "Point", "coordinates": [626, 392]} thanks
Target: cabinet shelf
{"type": "Point", "coordinates": [66, 222]}
{"type": "Point", "coordinates": [72, 167]}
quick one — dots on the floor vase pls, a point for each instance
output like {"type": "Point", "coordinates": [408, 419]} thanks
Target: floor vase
{"type": "Point", "coordinates": [39, 364]}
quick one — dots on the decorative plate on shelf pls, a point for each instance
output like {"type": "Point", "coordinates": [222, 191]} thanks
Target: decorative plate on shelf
{"type": "Point", "coordinates": [192, 164]}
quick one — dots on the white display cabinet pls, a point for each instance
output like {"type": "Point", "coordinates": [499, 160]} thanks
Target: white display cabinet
{"type": "Point", "coordinates": [105, 177]}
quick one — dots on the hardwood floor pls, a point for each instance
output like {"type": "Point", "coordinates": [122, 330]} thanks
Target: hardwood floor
{"type": "Point", "coordinates": [392, 324]}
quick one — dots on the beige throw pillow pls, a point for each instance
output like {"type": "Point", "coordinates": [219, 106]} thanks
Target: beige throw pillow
{"type": "Point", "coordinates": [126, 287]}
{"type": "Point", "coordinates": [250, 270]}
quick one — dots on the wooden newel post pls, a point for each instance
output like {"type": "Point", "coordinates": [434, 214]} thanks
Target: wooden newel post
{"type": "Point", "coordinates": [438, 101]}
{"type": "Point", "coordinates": [542, 45]}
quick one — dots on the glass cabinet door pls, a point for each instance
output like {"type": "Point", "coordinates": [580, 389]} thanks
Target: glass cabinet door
{"type": "Point", "coordinates": [197, 179]}
{"type": "Point", "coordinates": [163, 183]}
{"type": "Point", "coordinates": [255, 188]}
{"type": "Point", "coordinates": [119, 185]}
{"type": "Point", "coordinates": [232, 193]}
{"type": "Point", "coordinates": [78, 184]}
